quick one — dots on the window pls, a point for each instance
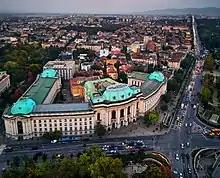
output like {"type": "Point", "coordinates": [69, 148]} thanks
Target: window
{"type": "Point", "coordinates": [113, 114]}
{"type": "Point", "coordinates": [60, 124]}
{"type": "Point", "coordinates": [85, 123]}
{"type": "Point", "coordinates": [70, 120]}
{"type": "Point", "coordinates": [65, 128]}
{"type": "Point", "coordinates": [75, 120]}
{"type": "Point", "coordinates": [75, 128]}
{"type": "Point", "coordinates": [71, 128]}
{"type": "Point", "coordinates": [45, 121]}
{"type": "Point", "coordinates": [80, 128]}
{"type": "Point", "coordinates": [90, 127]}
{"type": "Point", "coordinates": [80, 119]}
{"type": "Point", "coordinates": [45, 125]}
{"type": "Point", "coordinates": [122, 113]}
{"type": "Point", "coordinates": [75, 123]}
{"type": "Point", "coordinates": [80, 123]}
{"type": "Point", "coordinates": [34, 121]}
{"type": "Point", "coordinates": [90, 122]}
{"type": "Point", "coordinates": [39, 121]}
{"type": "Point", "coordinates": [35, 130]}
{"type": "Point", "coordinates": [65, 120]}
{"type": "Point", "coordinates": [114, 97]}
{"type": "Point", "coordinates": [129, 110]}
{"type": "Point", "coordinates": [122, 96]}
{"type": "Point", "coordinates": [50, 120]}
{"type": "Point", "coordinates": [85, 127]}
{"type": "Point", "coordinates": [98, 116]}
{"type": "Point", "coordinates": [40, 129]}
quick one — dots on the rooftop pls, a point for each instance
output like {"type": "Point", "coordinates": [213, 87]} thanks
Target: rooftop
{"type": "Point", "coordinates": [54, 108]}
{"type": "Point", "coordinates": [98, 86]}
{"type": "Point", "coordinates": [138, 76]}
{"type": "Point", "coordinates": [40, 89]}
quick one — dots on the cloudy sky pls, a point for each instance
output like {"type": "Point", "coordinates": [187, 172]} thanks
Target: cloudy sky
{"type": "Point", "coordinates": [99, 6]}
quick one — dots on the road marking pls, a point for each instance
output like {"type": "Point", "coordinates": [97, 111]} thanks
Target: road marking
{"type": "Point", "coordinates": [2, 147]}
{"type": "Point", "coordinates": [204, 136]}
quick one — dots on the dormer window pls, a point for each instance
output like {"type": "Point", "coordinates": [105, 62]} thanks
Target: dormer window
{"type": "Point", "coordinates": [114, 97]}
{"type": "Point", "coordinates": [122, 96]}
{"type": "Point", "coordinates": [129, 94]}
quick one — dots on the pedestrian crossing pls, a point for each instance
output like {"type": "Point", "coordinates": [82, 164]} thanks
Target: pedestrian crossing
{"type": "Point", "coordinates": [195, 128]}
{"type": "Point", "coordinates": [2, 147]}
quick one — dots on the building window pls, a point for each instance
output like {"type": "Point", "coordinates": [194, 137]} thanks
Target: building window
{"type": "Point", "coordinates": [75, 123]}
{"type": "Point", "coordinates": [85, 123]}
{"type": "Point", "coordinates": [75, 128]}
{"type": "Point", "coordinates": [40, 129]}
{"type": "Point", "coordinates": [75, 120]}
{"type": "Point", "coordinates": [65, 120]}
{"type": "Point", "coordinates": [34, 121]}
{"type": "Point", "coordinates": [80, 119]}
{"type": "Point", "coordinates": [45, 121]}
{"type": "Point", "coordinates": [90, 122]}
{"type": "Point", "coordinates": [129, 110]}
{"type": "Point", "coordinates": [50, 120]}
{"type": "Point", "coordinates": [113, 114]}
{"type": "Point", "coordinates": [114, 97]}
{"type": "Point", "coordinates": [122, 113]}
{"type": "Point", "coordinates": [39, 121]}
{"type": "Point", "coordinates": [71, 128]}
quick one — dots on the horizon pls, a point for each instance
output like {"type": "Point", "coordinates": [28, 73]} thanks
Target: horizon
{"type": "Point", "coordinates": [100, 7]}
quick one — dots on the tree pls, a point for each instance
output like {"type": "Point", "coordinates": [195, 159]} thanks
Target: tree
{"type": "Point", "coordinates": [122, 77]}
{"type": "Point", "coordinates": [206, 94]}
{"type": "Point", "coordinates": [107, 167]}
{"type": "Point", "coordinates": [154, 171]}
{"type": "Point", "coordinates": [209, 63]}
{"type": "Point", "coordinates": [117, 66]}
{"type": "Point", "coordinates": [35, 68]}
{"type": "Point", "coordinates": [52, 135]}
{"type": "Point", "coordinates": [100, 130]}
{"type": "Point", "coordinates": [152, 117]}
{"type": "Point", "coordinates": [44, 157]}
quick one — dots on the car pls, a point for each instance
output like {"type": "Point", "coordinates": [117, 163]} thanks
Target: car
{"type": "Point", "coordinates": [181, 175]}
{"type": "Point", "coordinates": [182, 145]}
{"type": "Point", "coordinates": [175, 172]}
{"type": "Point", "coordinates": [177, 157]}
{"type": "Point", "coordinates": [186, 124]}
{"type": "Point", "coordinates": [8, 149]}
{"type": "Point", "coordinates": [190, 124]}
{"type": "Point", "coordinates": [189, 171]}
{"type": "Point", "coordinates": [187, 144]}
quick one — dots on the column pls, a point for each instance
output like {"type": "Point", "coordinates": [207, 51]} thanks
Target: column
{"type": "Point", "coordinates": [118, 118]}
{"type": "Point", "coordinates": [126, 116]}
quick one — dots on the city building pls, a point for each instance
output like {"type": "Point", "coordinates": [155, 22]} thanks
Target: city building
{"type": "Point", "coordinates": [86, 66]}
{"type": "Point", "coordinates": [77, 85]}
{"type": "Point", "coordinates": [66, 69]}
{"type": "Point", "coordinates": [107, 102]}
{"type": "Point", "coordinates": [4, 81]}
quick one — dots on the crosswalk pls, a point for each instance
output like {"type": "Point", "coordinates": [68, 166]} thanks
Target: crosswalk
{"type": "Point", "coordinates": [195, 128]}
{"type": "Point", "coordinates": [2, 147]}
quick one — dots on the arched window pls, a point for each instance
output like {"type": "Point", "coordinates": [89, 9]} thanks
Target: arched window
{"type": "Point", "coordinates": [122, 113]}
{"type": "Point", "coordinates": [113, 114]}
{"type": "Point", "coordinates": [129, 110]}
{"type": "Point", "coordinates": [20, 127]}
{"type": "Point", "coordinates": [98, 117]}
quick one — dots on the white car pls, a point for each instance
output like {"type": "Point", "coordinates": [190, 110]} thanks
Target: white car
{"type": "Point", "coordinates": [190, 124]}
{"type": "Point", "coordinates": [181, 175]}
{"type": "Point", "coordinates": [187, 144]}
{"type": "Point", "coordinates": [182, 145]}
{"type": "Point", "coordinates": [186, 124]}
{"type": "Point", "coordinates": [177, 157]}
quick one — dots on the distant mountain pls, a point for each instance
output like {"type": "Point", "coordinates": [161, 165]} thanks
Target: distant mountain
{"type": "Point", "coordinates": [209, 11]}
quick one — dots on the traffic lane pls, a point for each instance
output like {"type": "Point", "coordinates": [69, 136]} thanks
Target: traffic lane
{"type": "Point", "coordinates": [198, 140]}
{"type": "Point", "coordinates": [100, 140]}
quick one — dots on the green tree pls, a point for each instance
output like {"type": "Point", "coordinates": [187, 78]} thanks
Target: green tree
{"type": "Point", "coordinates": [117, 65]}
{"type": "Point", "coordinates": [154, 171]}
{"type": "Point", "coordinates": [122, 78]}
{"type": "Point", "coordinates": [107, 167]}
{"type": "Point", "coordinates": [209, 63]}
{"type": "Point", "coordinates": [35, 68]}
{"type": "Point", "coordinates": [100, 130]}
{"type": "Point", "coordinates": [206, 94]}
{"type": "Point", "coordinates": [152, 117]}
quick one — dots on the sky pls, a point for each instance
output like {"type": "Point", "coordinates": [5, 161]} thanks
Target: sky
{"type": "Point", "coordinates": [98, 6]}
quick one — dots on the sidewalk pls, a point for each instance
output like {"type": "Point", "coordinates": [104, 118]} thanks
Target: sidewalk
{"type": "Point", "coordinates": [138, 128]}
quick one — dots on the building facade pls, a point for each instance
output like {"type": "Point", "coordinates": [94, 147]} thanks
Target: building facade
{"type": "Point", "coordinates": [66, 69]}
{"type": "Point", "coordinates": [4, 81]}
{"type": "Point", "coordinates": [107, 102]}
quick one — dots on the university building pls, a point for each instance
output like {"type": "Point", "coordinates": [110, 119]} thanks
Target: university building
{"type": "Point", "coordinates": [107, 102]}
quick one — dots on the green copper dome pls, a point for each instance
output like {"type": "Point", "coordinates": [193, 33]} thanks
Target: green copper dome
{"type": "Point", "coordinates": [24, 106]}
{"type": "Point", "coordinates": [156, 76]}
{"type": "Point", "coordinates": [49, 73]}
{"type": "Point", "coordinates": [117, 92]}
